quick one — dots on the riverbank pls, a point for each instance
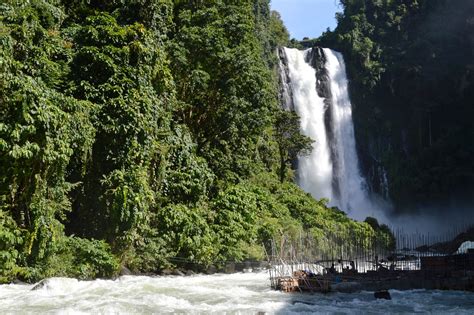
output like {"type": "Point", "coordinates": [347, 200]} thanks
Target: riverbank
{"type": "Point", "coordinates": [227, 268]}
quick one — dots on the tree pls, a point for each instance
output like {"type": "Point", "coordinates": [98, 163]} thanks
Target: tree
{"type": "Point", "coordinates": [291, 142]}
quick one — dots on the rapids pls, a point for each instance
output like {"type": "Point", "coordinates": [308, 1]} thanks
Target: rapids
{"type": "Point", "coordinates": [240, 293]}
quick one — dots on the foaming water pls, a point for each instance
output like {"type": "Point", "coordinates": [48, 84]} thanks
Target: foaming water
{"type": "Point", "coordinates": [243, 293]}
{"type": "Point", "coordinates": [353, 195]}
{"type": "Point", "coordinates": [315, 170]}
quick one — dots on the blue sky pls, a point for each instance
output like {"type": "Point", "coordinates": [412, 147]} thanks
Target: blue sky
{"type": "Point", "coordinates": [307, 17]}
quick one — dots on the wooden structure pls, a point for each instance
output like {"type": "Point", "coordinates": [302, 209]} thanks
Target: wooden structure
{"type": "Point", "coordinates": [309, 266]}
{"type": "Point", "coordinates": [301, 281]}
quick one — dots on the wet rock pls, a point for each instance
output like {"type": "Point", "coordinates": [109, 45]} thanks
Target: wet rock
{"type": "Point", "coordinates": [124, 271]}
{"type": "Point", "coordinates": [166, 272]}
{"type": "Point", "coordinates": [40, 285]}
{"type": "Point", "coordinates": [302, 302]}
{"type": "Point", "coordinates": [382, 295]}
{"type": "Point", "coordinates": [190, 273]}
{"type": "Point", "coordinates": [16, 281]}
{"type": "Point", "coordinates": [59, 283]}
{"type": "Point", "coordinates": [229, 268]}
{"type": "Point", "coordinates": [211, 270]}
{"type": "Point", "coordinates": [346, 287]}
{"type": "Point", "coordinates": [264, 265]}
{"type": "Point", "coordinates": [177, 272]}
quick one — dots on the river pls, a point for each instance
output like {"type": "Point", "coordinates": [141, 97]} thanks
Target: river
{"type": "Point", "coordinates": [240, 293]}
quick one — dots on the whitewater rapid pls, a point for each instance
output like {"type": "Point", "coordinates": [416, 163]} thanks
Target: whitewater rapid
{"type": "Point", "coordinates": [241, 293]}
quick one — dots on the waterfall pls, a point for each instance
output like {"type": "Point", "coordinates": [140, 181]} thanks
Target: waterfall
{"type": "Point", "coordinates": [319, 94]}
{"type": "Point", "coordinates": [314, 171]}
{"type": "Point", "coordinates": [383, 180]}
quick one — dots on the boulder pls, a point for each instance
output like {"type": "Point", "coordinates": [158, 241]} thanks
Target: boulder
{"type": "Point", "coordinates": [124, 271]}
{"type": "Point", "coordinates": [382, 295]}
{"type": "Point", "coordinates": [40, 285]}
{"type": "Point", "coordinates": [346, 287]}
{"type": "Point", "coordinates": [230, 267]}
{"type": "Point", "coordinates": [56, 284]}
{"type": "Point", "coordinates": [16, 281]}
{"type": "Point", "coordinates": [177, 272]}
{"type": "Point", "coordinates": [166, 272]}
{"type": "Point", "coordinates": [211, 270]}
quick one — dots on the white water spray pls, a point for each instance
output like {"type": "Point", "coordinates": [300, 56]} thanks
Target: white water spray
{"type": "Point", "coordinates": [332, 169]}
{"type": "Point", "coordinates": [353, 188]}
{"type": "Point", "coordinates": [314, 171]}
{"type": "Point", "coordinates": [244, 293]}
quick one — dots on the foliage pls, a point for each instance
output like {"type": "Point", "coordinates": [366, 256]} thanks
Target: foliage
{"type": "Point", "coordinates": [10, 242]}
{"type": "Point", "coordinates": [120, 69]}
{"type": "Point", "coordinates": [40, 128]}
{"type": "Point", "coordinates": [146, 134]}
{"type": "Point", "coordinates": [76, 257]}
{"type": "Point", "coordinates": [236, 210]}
{"type": "Point", "coordinates": [187, 234]}
{"type": "Point", "coordinates": [223, 84]}
{"type": "Point", "coordinates": [279, 33]}
{"type": "Point", "coordinates": [384, 234]}
{"type": "Point", "coordinates": [290, 142]}
{"type": "Point", "coordinates": [187, 178]}
{"type": "Point", "coordinates": [91, 258]}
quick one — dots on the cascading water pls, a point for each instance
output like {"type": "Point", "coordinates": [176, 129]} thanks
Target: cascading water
{"type": "Point", "coordinates": [332, 169]}
{"type": "Point", "coordinates": [352, 186]}
{"type": "Point", "coordinates": [314, 171]}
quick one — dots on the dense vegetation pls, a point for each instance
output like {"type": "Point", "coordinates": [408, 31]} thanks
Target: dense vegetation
{"type": "Point", "coordinates": [146, 134]}
{"type": "Point", "coordinates": [410, 64]}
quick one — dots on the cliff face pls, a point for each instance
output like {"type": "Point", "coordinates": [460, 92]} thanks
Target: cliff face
{"type": "Point", "coordinates": [317, 59]}
{"type": "Point", "coordinates": [285, 93]}
{"type": "Point", "coordinates": [411, 71]}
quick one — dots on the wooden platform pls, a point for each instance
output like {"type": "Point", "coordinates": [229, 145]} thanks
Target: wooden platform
{"type": "Point", "coordinates": [303, 282]}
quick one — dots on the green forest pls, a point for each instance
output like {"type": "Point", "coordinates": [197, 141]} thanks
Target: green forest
{"type": "Point", "coordinates": [411, 70]}
{"type": "Point", "coordinates": [147, 134]}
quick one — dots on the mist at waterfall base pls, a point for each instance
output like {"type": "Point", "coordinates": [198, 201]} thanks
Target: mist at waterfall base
{"type": "Point", "coordinates": [241, 293]}
{"type": "Point", "coordinates": [442, 220]}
